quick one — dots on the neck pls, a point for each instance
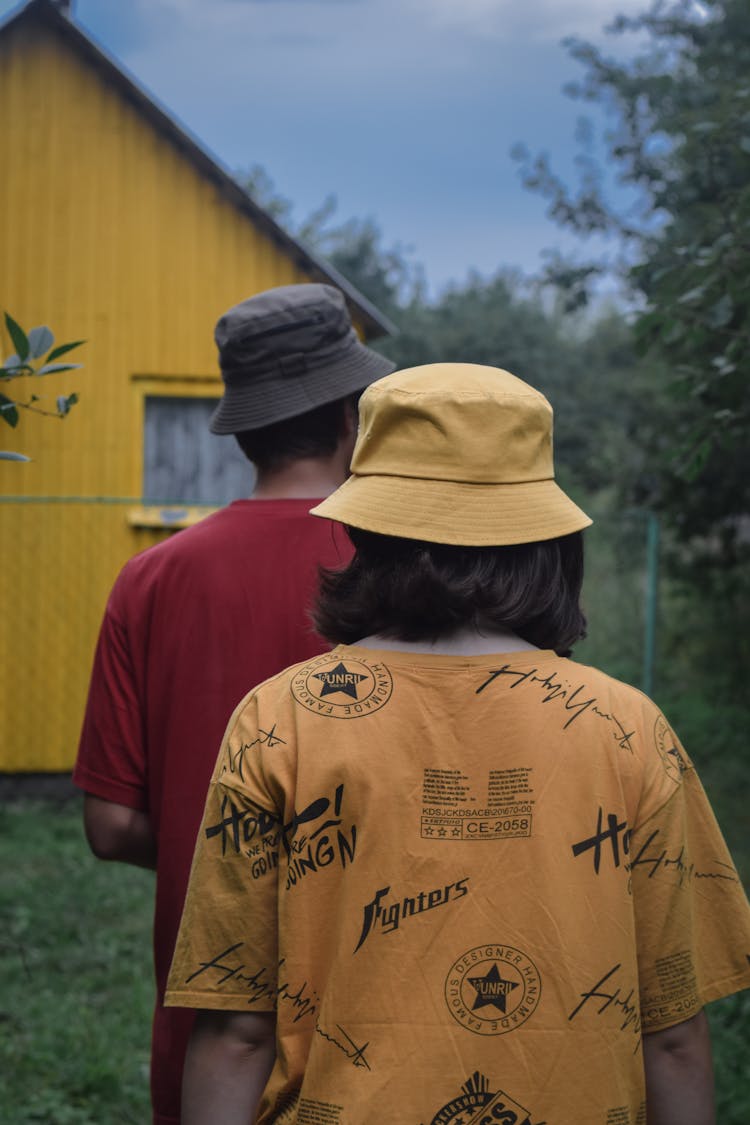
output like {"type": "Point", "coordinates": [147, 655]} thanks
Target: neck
{"type": "Point", "coordinates": [311, 478]}
{"type": "Point", "coordinates": [465, 642]}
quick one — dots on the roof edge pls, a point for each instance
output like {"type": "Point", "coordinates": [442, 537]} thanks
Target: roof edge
{"type": "Point", "coordinates": [373, 320]}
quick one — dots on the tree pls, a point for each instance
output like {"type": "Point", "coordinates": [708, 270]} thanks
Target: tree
{"type": "Point", "coordinates": [588, 368]}
{"type": "Point", "coordinates": [29, 362]}
{"type": "Point", "coordinates": [385, 275]}
{"type": "Point", "coordinates": [681, 143]}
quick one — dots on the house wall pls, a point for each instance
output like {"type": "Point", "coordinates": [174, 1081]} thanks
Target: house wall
{"type": "Point", "coordinates": [108, 233]}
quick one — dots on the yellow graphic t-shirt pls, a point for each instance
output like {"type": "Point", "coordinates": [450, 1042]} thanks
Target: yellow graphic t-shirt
{"type": "Point", "coordinates": [466, 885]}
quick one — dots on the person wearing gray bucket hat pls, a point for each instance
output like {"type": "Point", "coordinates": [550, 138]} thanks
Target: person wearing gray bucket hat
{"type": "Point", "coordinates": [288, 351]}
{"type": "Point", "coordinates": [193, 622]}
{"type": "Point", "coordinates": [477, 881]}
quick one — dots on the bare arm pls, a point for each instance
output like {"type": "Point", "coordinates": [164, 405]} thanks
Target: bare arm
{"type": "Point", "coordinates": [229, 1058]}
{"type": "Point", "coordinates": [679, 1074]}
{"type": "Point", "coordinates": [118, 832]}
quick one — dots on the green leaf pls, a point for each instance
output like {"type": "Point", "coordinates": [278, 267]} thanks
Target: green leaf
{"type": "Point", "coordinates": [18, 336]}
{"type": "Point", "coordinates": [12, 368]}
{"type": "Point", "coordinates": [692, 295]}
{"type": "Point", "coordinates": [8, 410]}
{"type": "Point", "coordinates": [61, 349]}
{"type": "Point", "coordinates": [64, 403]}
{"type": "Point", "coordinates": [6, 456]}
{"type": "Point", "coordinates": [697, 460]}
{"type": "Point", "coordinates": [54, 368]}
{"type": "Point", "coordinates": [40, 341]}
{"type": "Point", "coordinates": [673, 331]}
{"type": "Point", "coordinates": [721, 313]}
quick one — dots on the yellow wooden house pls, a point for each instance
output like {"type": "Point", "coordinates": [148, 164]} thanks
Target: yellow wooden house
{"type": "Point", "coordinates": [116, 226]}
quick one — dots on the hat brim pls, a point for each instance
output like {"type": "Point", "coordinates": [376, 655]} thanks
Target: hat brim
{"type": "Point", "coordinates": [258, 402]}
{"type": "Point", "coordinates": [472, 515]}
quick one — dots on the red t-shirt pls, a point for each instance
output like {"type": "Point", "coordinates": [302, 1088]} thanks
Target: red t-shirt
{"type": "Point", "coordinates": [191, 625]}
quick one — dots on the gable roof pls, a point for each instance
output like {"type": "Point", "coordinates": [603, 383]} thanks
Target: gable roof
{"type": "Point", "coordinates": [53, 15]}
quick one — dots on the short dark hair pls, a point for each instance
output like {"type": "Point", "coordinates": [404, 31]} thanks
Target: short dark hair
{"type": "Point", "coordinates": [418, 591]}
{"type": "Point", "coordinates": [313, 434]}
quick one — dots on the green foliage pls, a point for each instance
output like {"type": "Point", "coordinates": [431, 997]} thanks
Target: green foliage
{"type": "Point", "coordinates": [588, 367]}
{"type": "Point", "coordinates": [259, 185]}
{"type": "Point", "coordinates": [705, 629]}
{"type": "Point", "coordinates": [681, 143]}
{"type": "Point", "coordinates": [729, 1020]}
{"type": "Point", "coordinates": [385, 275]}
{"type": "Point", "coordinates": [30, 349]}
{"type": "Point", "coordinates": [75, 975]}
{"type": "Point", "coordinates": [613, 599]}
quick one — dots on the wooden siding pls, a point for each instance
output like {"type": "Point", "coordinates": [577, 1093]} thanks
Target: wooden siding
{"type": "Point", "coordinates": [60, 560]}
{"type": "Point", "coordinates": [109, 232]}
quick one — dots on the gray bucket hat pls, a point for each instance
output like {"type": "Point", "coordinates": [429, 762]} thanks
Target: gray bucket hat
{"type": "Point", "coordinates": [285, 352]}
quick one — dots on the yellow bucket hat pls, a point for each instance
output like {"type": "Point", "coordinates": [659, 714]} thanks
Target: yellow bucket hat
{"type": "Point", "coordinates": [454, 453]}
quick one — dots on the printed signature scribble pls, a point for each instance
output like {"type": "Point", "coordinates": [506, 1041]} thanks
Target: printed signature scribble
{"type": "Point", "coordinates": [653, 856]}
{"type": "Point", "coordinates": [625, 1005]}
{"type": "Point", "coordinates": [354, 1053]}
{"type": "Point", "coordinates": [236, 758]}
{"type": "Point", "coordinates": [573, 699]}
{"type": "Point", "coordinates": [260, 985]}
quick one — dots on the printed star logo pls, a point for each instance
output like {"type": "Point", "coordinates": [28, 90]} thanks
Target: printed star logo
{"type": "Point", "coordinates": [339, 679]}
{"type": "Point", "coordinates": [491, 989]}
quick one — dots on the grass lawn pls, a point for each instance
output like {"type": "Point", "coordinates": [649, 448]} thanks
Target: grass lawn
{"type": "Point", "coordinates": [75, 975]}
{"type": "Point", "coordinates": [76, 988]}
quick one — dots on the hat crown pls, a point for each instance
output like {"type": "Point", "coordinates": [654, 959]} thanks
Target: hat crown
{"type": "Point", "coordinates": [287, 351]}
{"type": "Point", "coordinates": [291, 320]}
{"type": "Point", "coordinates": [455, 422]}
{"type": "Point", "coordinates": [454, 453]}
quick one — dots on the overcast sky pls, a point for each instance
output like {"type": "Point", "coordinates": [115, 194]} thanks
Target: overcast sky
{"type": "Point", "coordinates": [405, 109]}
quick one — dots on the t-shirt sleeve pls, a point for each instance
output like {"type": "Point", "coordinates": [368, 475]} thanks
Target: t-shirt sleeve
{"type": "Point", "coordinates": [111, 761]}
{"type": "Point", "coordinates": [692, 915]}
{"type": "Point", "coordinates": [226, 955]}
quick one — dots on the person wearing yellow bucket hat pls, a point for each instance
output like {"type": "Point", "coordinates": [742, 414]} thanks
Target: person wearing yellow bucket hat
{"type": "Point", "coordinates": [455, 453]}
{"type": "Point", "coordinates": [446, 874]}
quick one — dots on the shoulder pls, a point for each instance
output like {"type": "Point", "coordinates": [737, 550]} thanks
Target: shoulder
{"type": "Point", "coordinates": [644, 728]}
{"type": "Point", "coordinates": [180, 546]}
{"type": "Point", "coordinates": [607, 686]}
{"type": "Point", "coordinates": [613, 695]}
{"type": "Point", "coordinates": [287, 696]}
{"type": "Point", "coordinates": [278, 688]}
